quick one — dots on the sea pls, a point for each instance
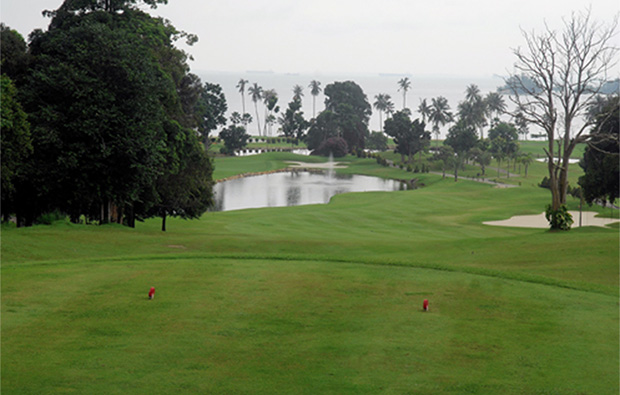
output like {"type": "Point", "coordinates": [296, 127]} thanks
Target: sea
{"type": "Point", "coordinates": [422, 87]}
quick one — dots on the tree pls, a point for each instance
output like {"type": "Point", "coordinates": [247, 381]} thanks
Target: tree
{"type": "Point", "coordinates": [404, 84]}
{"type": "Point", "coordinates": [410, 137]}
{"type": "Point", "coordinates": [381, 104]}
{"type": "Point", "coordinates": [445, 154]}
{"type": "Point", "coordinates": [481, 157]}
{"type": "Point", "coordinates": [315, 89]}
{"type": "Point", "coordinates": [495, 105]}
{"type": "Point", "coordinates": [14, 56]}
{"type": "Point", "coordinates": [347, 101]}
{"type": "Point", "coordinates": [461, 137]}
{"type": "Point", "coordinates": [293, 122]}
{"type": "Point", "coordinates": [521, 124]}
{"type": "Point", "coordinates": [16, 143]}
{"type": "Point", "coordinates": [425, 110]}
{"type": "Point", "coordinates": [270, 99]}
{"type": "Point", "coordinates": [241, 86]}
{"type": "Point", "coordinates": [504, 142]}
{"type": "Point", "coordinates": [377, 141]}
{"type": "Point", "coordinates": [440, 114]}
{"type": "Point", "coordinates": [236, 118]}
{"type": "Point", "coordinates": [557, 76]}
{"type": "Point", "coordinates": [210, 108]}
{"type": "Point", "coordinates": [103, 89]}
{"type": "Point", "coordinates": [473, 109]}
{"type": "Point", "coordinates": [185, 188]}
{"type": "Point", "coordinates": [600, 159]}
{"type": "Point", "coordinates": [235, 138]}
{"type": "Point", "coordinates": [298, 92]}
{"type": "Point", "coordinates": [324, 126]}
{"type": "Point", "coordinates": [256, 93]}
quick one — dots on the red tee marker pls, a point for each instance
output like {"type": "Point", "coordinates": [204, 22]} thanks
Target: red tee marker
{"type": "Point", "coordinates": [425, 305]}
{"type": "Point", "coordinates": [152, 293]}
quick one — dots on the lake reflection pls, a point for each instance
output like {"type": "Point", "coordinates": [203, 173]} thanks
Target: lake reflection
{"type": "Point", "coordinates": [294, 189]}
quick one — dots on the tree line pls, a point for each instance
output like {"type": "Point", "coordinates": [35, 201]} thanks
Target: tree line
{"type": "Point", "coordinates": [102, 120]}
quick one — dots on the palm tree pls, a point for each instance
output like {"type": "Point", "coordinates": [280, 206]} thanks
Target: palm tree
{"type": "Point", "coordinates": [389, 108]}
{"type": "Point", "coordinates": [256, 93]}
{"type": "Point", "coordinates": [241, 86]}
{"type": "Point", "coordinates": [425, 110]}
{"type": "Point", "coordinates": [315, 89]}
{"type": "Point", "coordinates": [298, 92]}
{"type": "Point", "coordinates": [404, 85]}
{"type": "Point", "coordinates": [381, 102]}
{"type": "Point", "coordinates": [472, 93]}
{"type": "Point", "coordinates": [473, 110]}
{"type": "Point", "coordinates": [270, 99]}
{"type": "Point", "coordinates": [440, 114]}
{"type": "Point", "coordinates": [494, 105]}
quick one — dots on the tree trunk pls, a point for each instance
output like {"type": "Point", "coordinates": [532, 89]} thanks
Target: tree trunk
{"type": "Point", "coordinates": [257, 119]}
{"type": "Point", "coordinates": [163, 222]}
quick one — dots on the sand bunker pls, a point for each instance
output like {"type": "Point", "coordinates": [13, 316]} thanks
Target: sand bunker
{"type": "Point", "coordinates": [539, 221]}
{"type": "Point", "coordinates": [328, 165]}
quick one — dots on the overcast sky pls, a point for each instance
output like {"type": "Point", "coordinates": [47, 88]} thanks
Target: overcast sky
{"type": "Point", "coordinates": [429, 37]}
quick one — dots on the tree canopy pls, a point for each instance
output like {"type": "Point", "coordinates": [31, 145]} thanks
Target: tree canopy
{"type": "Point", "coordinates": [114, 115]}
{"type": "Point", "coordinates": [600, 160]}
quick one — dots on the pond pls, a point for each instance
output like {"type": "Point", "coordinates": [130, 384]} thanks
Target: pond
{"type": "Point", "coordinates": [294, 188]}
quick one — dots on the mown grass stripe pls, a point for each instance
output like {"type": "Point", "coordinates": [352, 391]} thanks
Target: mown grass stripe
{"type": "Point", "coordinates": [512, 276]}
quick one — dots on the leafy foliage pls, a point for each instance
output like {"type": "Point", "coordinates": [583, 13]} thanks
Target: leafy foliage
{"type": "Point", "coordinates": [559, 219]}
{"type": "Point", "coordinates": [600, 159]}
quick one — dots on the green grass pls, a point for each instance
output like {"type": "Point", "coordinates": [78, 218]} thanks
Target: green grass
{"type": "Point", "coordinates": [317, 299]}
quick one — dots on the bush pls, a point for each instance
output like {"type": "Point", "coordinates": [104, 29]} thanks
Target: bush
{"type": "Point", "coordinates": [559, 219]}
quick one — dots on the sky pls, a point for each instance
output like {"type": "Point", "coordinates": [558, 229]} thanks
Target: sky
{"type": "Point", "coordinates": [417, 37]}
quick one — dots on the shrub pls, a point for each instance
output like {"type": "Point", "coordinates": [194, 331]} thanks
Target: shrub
{"type": "Point", "coordinates": [559, 219]}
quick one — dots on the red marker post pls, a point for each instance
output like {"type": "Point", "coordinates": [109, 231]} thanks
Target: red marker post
{"type": "Point", "coordinates": [425, 305]}
{"type": "Point", "coordinates": [152, 293]}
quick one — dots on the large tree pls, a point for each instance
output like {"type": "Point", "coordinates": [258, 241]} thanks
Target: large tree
{"type": "Point", "coordinates": [440, 114]}
{"type": "Point", "coordinates": [352, 110]}
{"type": "Point", "coordinates": [293, 122]}
{"type": "Point", "coordinates": [504, 143]}
{"type": "Point", "coordinates": [256, 93]}
{"type": "Point", "coordinates": [16, 144]}
{"type": "Point", "coordinates": [461, 137]}
{"type": "Point", "coordinates": [104, 81]}
{"type": "Point", "coordinates": [404, 84]}
{"type": "Point", "coordinates": [600, 161]}
{"type": "Point", "coordinates": [557, 76]}
{"type": "Point", "coordinates": [410, 137]}
{"type": "Point", "coordinates": [315, 89]}
{"type": "Point", "coordinates": [241, 86]}
{"type": "Point", "coordinates": [381, 105]}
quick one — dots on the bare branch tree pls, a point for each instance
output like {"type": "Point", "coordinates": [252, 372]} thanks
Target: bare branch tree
{"type": "Point", "coordinates": [556, 78]}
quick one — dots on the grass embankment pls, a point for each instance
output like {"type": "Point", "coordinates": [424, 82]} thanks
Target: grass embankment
{"type": "Point", "coordinates": [316, 299]}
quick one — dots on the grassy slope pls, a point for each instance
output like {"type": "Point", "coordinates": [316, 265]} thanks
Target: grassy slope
{"type": "Point", "coordinates": [276, 299]}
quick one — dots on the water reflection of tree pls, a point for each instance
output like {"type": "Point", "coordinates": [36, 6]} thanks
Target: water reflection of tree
{"type": "Point", "coordinates": [293, 196]}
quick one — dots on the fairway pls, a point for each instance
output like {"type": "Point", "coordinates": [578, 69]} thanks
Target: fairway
{"type": "Point", "coordinates": [261, 326]}
{"type": "Point", "coordinates": [318, 298]}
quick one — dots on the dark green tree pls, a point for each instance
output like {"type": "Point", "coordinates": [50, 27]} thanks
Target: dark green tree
{"type": "Point", "coordinates": [292, 122]}
{"type": "Point", "coordinates": [462, 138]}
{"type": "Point", "coordinates": [600, 160]}
{"type": "Point", "coordinates": [14, 56]}
{"type": "Point", "coordinates": [235, 138]}
{"type": "Point", "coordinates": [504, 143]}
{"type": "Point", "coordinates": [321, 128]}
{"type": "Point", "coordinates": [210, 108]}
{"type": "Point", "coordinates": [377, 141]}
{"type": "Point", "coordinates": [410, 137]}
{"type": "Point", "coordinates": [185, 189]}
{"type": "Point", "coordinates": [15, 142]}
{"type": "Point", "coordinates": [105, 82]}
{"type": "Point", "coordinates": [347, 101]}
